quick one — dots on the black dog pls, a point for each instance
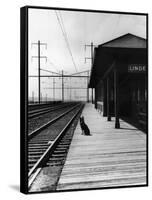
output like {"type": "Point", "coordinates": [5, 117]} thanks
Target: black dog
{"type": "Point", "coordinates": [84, 127]}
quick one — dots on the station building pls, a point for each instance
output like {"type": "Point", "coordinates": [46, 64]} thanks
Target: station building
{"type": "Point", "coordinates": [119, 78]}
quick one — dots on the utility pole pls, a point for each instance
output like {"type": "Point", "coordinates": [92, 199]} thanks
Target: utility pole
{"type": "Point", "coordinates": [88, 87]}
{"type": "Point", "coordinates": [62, 87]}
{"type": "Point", "coordinates": [46, 98]}
{"type": "Point", "coordinates": [70, 93]}
{"type": "Point", "coordinates": [53, 89]}
{"type": "Point", "coordinates": [41, 97]}
{"type": "Point", "coordinates": [53, 80]}
{"type": "Point", "coordinates": [90, 46]}
{"type": "Point", "coordinates": [70, 89]}
{"type": "Point", "coordinates": [33, 96]}
{"type": "Point", "coordinates": [39, 63]}
{"type": "Point", "coordinates": [92, 64]}
{"type": "Point", "coordinates": [39, 83]}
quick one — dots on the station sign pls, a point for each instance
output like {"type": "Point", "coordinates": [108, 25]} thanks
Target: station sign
{"type": "Point", "coordinates": [136, 68]}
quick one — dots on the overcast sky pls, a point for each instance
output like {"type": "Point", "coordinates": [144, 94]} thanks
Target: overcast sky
{"type": "Point", "coordinates": [81, 28]}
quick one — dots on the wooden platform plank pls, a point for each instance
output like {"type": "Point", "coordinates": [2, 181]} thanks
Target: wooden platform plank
{"type": "Point", "coordinates": [109, 157]}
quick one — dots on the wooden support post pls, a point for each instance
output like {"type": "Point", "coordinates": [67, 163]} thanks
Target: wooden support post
{"type": "Point", "coordinates": [92, 95]}
{"type": "Point", "coordinates": [116, 94]}
{"type": "Point", "coordinates": [108, 100]}
{"type": "Point", "coordinates": [95, 100]}
{"type": "Point", "coordinates": [104, 99]}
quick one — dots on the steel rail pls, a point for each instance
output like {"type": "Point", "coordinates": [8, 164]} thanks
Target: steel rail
{"type": "Point", "coordinates": [35, 132]}
{"type": "Point", "coordinates": [35, 107]}
{"type": "Point", "coordinates": [35, 113]}
{"type": "Point", "coordinates": [52, 146]}
{"type": "Point", "coordinates": [42, 105]}
{"type": "Point", "coordinates": [30, 112]}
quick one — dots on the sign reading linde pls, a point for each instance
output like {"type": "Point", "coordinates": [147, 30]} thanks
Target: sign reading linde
{"type": "Point", "coordinates": [137, 68]}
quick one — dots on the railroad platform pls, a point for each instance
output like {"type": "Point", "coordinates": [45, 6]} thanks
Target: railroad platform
{"type": "Point", "coordinates": [109, 157]}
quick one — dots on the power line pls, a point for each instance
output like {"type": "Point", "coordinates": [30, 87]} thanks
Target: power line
{"type": "Point", "coordinates": [49, 71]}
{"type": "Point", "coordinates": [51, 63]}
{"type": "Point", "coordinates": [80, 72]}
{"type": "Point", "coordinates": [60, 21]}
{"type": "Point", "coordinates": [66, 39]}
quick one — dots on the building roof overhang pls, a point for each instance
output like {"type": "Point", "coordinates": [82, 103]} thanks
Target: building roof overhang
{"type": "Point", "coordinates": [108, 52]}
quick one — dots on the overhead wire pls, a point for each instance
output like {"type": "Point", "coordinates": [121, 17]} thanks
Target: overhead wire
{"type": "Point", "coordinates": [61, 23]}
{"type": "Point", "coordinates": [51, 63]}
{"type": "Point", "coordinates": [66, 37]}
{"type": "Point", "coordinates": [45, 70]}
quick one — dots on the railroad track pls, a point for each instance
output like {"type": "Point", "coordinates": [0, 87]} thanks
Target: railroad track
{"type": "Point", "coordinates": [49, 143]}
{"type": "Point", "coordinates": [42, 105]}
{"type": "Point", "coordinates": [37, 112]}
